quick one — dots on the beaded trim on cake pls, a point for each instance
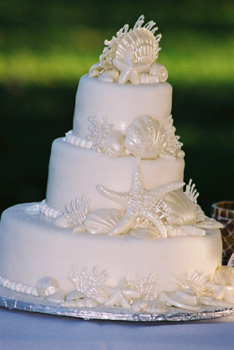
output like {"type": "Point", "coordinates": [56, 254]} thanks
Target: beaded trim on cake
{"type": "Point", "coordinates": [140, 295]}
{"type": "Point", "coordinates": [18, 287]}
{"type": "Point", "coordinates": [46, 210]}
{"type": "Point", "coordinates": [78, 141]}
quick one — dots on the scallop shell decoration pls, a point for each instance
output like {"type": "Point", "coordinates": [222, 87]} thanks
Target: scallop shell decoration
{"type": "Point", "coordinates": [145, 138]}
{"type": "Point", "coordinates": [101, 221]}
{"type": "Point", "coordinates": [74, 214]}
{"type": "Point", "coordinates": [182, 211]}
{"type": "Point", "coordinates": [129, 57]}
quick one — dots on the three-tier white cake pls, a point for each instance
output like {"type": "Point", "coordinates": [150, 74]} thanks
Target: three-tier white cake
{"type": "Point", "coordinates": [116, 227]}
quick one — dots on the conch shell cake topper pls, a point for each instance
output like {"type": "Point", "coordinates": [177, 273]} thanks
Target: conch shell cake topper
{"type": "Point", "coordinates": [130, 56]}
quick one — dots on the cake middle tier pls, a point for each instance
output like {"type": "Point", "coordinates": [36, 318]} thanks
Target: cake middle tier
{"type": "Point", "coordinates": [119, 104]}
{"type": "Point", "coordinates": [75, 172]}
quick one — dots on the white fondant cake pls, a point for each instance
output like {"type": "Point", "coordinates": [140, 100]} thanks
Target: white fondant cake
{"type": "Point", "coordinates": [116, 227]}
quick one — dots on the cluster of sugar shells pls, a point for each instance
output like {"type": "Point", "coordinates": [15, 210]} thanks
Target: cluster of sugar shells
{"type": "Point", "coordinates": [130, 56]}
{"type": "Point", "coordinates": [145, 137]}
{"type": "Point", "coordinates": [142, 294]}
{"type": "Point", "coordinates": [169, 212]}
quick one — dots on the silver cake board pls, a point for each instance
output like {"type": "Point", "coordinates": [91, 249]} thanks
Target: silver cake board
{"type": "Point", "coordinates": [23, 302]}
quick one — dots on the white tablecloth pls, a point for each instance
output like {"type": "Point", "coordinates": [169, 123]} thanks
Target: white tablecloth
{"type": "Point", "coordinates": [32, 331]}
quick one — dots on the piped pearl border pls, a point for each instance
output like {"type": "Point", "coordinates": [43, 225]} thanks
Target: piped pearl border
{"type": "Point", "coordinates": [18, 287]}
{"type": "Point", "coordinates": [78, 141]}
{"type": "Point", "coordinates": [46, 210]}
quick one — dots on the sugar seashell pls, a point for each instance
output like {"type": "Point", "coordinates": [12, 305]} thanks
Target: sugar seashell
{"type": "Point", "coordinates": [211, 301]}
{"type": "Point", "coordinates": [139, 305]}
{"type": "Point", "coordinates": [142, 44]}
{"type": "Point", "coordinates": [144, 233]}
{"type": "Point", "coordinates": [74, 214]}
{"type": "Point", "coordinates": [224, 275]}
{"type": "Point", "coordinates": [109, 76]}
{"type": "Point", "coordinates": [157, 307]}
{"type": "Point", "coordinates": [146, 78]}
{"type": "Point", "coordinates": [61, 221]}
{"type": "Point", "coordinates": [145, 138]}
{"type": "Point", "coordinates": [186, 230]}
{"type": "Point", "coordinates": [184, 299]}
{"type": "Point", "coordinates": [74, 295]}
{"type": "Point", "coordinates": [57, 297]}
{"type": "Point", "coordinates": [101, 221]}
{"type": "Point", "coordinates": [210, 223]}
{"type": "Point", "coordinates": [182, 211]}
{"type": "Point", "coordinates": [85, 302]}
{"type": "Point", "coordinates": [159, 71]}
{"type": "Point", "coordinates": [94, 70]}
{"type": "Point", "coordinates": [47, 286]}
{"type": "Point", "coordinates": [79, 229]}
{"type": "Point", "coordinates": [114, 141]}
{"type": "Point", "coordinates": [91, 302]}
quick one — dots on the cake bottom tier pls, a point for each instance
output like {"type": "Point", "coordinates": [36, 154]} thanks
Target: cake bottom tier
{"type": "Point", "coordinates": [32, 247]}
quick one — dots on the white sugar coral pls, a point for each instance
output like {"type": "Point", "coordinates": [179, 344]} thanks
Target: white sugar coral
{"type": "Point", "coordinates": [130, 54]}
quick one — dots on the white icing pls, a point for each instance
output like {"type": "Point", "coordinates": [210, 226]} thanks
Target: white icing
{"type": "Point", "coordinates": [126, 196]}
{"type": "Point", "coordinates": [70, 167]}
{"type": "Point", "coordinates": [27, 237]}
{"type": "Point", "coordinates": [123, 105]}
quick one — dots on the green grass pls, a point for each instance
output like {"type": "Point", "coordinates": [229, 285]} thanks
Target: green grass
{"type": "Point", "coordinates": [192, 58]}
{"type": "Point", "coordinates": [57, 41]}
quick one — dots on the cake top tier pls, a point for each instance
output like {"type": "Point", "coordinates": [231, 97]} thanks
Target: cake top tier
{"type": "Point", "coordinates": [130, 56]}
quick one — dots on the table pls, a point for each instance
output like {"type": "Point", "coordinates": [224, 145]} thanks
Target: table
{"type": "Point", "coordinates": [21, 330]}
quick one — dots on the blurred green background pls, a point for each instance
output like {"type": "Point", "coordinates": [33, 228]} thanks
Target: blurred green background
{"type": "Point", "coordinates": [45, 46]}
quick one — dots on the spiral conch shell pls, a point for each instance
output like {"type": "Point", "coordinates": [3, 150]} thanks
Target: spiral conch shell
{"type": "Point", "coordinates": [145, 138]}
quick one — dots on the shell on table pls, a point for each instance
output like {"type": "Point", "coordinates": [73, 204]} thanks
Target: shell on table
{"type": "Point", "coordinates": [145, 138]}
{"type": "Point", "coordinates": [101, 221]}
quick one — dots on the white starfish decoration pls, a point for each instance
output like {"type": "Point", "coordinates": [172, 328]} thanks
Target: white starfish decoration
{"type": "Point", "coordinates": [121, 295]}
{"type": "Point", "coordinates": [139, 202]}
{"type": "Point", "coordinates": [129, 70]}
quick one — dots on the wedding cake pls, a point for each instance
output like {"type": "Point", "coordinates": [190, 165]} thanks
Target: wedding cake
{"type": "Point", "coordinates": [118, 226]}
